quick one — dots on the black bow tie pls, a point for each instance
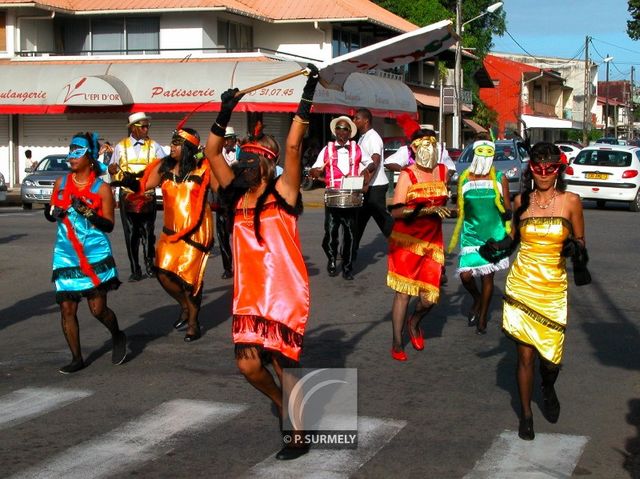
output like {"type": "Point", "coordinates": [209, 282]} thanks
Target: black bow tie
{"type": "Point", "coordinates": [138, 143]}
{"type": "Point", "coordinates": [342, 147]}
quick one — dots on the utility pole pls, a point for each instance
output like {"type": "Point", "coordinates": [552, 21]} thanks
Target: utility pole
{"type": "Point", "coordinates": [586, 111]}
{"type": "Point", "coordinates": [457, 114]}
{"type": "Point", "coordinates": [630, 109]}
{"type": "Point", "coordinates": [606, 105]}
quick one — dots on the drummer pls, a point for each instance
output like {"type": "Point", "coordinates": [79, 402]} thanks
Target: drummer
{"type": "Point", "coordinates": [340, 161]}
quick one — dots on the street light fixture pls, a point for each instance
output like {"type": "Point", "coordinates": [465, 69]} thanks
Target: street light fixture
{"type": "Point", "coordinates": [606, 105]}
{"type": "Point", "coordinates": [457, 116]}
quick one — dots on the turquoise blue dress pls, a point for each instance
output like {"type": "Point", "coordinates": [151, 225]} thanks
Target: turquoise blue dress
{"type": "Point", "coordinates": [70, 281]}
{"type": "Point", "coordinates": [482, 221]}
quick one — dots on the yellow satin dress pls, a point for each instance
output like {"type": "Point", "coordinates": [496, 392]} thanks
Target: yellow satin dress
{"type": "Point", "coordinates": [187, 234]}
{"type": "Point", "coordinates": [535, 304]}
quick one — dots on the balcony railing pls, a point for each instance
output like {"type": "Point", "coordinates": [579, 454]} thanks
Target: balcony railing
{"type": "Point", "coordinates": [544, 109]}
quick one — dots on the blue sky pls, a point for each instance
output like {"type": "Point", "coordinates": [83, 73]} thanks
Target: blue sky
{"type": "Point", "coordinates": [558, 28]}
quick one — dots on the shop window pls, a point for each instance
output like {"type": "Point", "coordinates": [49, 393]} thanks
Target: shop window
{"type": "Point", "coordinates": [345, 41]}
{"type": "Point", "coordinates": [107, 36]}
{"type": "Point", "coordinates": [235, 36]}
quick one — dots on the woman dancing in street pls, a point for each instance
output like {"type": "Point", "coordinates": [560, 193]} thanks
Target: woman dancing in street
{"type": "Point", "coordinates": [483, 208]}
{"type": "Point", "coordinates": [83, 265]}
{"type": "Point", "coordinates": [416, 252]}
{"type": "Point", "coordinates": [271, 285]}
{"type": "Point", "coordinates": [548, 224]}
{"type": "Point", "coordinates": [187, 234]}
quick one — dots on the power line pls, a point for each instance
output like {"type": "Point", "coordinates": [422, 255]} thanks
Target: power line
{"type": "Point", "coordinates": [559, 62]}
{"type": "Point", "coordinates": [617, 46]}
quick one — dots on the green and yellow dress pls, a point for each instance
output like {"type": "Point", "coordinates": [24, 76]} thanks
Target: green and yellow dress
{"type": "Point", "coordinates": [535, 305]}
{"type": "Point", "coordinates": [481, 221]}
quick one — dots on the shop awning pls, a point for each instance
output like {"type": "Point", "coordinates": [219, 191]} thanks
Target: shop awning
{"type": "Point", "coordinates": [474, 126]}
{"type": "Point", "coordinates": [180, 87]}
{"type": "Point", "coordinates": [546, 122]}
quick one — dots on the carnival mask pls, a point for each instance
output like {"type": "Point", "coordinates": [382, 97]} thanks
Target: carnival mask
{"type": "Point", "coordinates": [426, 152]}
{"type": "Point", "coordinates": [248, 172]}
{"type": "Point", "coordinates": [483, 153]}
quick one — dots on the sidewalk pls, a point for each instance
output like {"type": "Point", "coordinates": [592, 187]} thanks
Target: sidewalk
{"type": "Point", "coordinates": [311, 199]}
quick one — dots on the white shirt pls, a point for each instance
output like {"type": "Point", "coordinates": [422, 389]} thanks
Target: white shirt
{"type": "Point", "coordinates": [229, 156]}
{"type": "Point", "coordinates": [401, 157]}
{"type": "Point", "coordinates": [343, 160]}
{"type": "Point", "coordinates": [371, 144]}
{"type": "Point", "coordinates": [156, 150]}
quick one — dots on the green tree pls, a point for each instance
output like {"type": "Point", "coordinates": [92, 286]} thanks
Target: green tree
{"type": "Point", "coordinates": [633, 25]}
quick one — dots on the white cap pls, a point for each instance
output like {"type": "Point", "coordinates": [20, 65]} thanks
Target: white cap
{"type": "Point", "coordinates": [229, 131]}
{"type": "Point", "coordinates": [136, 117]}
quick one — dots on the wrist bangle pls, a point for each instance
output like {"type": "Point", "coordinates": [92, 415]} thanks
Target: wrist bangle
{"type": "Point", "coordinates": [217, 130]}
{"type": "Point", "coordinates": [305, 99]}
{"type": "Point", "coordinates": [296, 119]}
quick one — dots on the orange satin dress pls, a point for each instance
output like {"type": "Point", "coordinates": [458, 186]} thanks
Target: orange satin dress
{"type": "Point", "coordinates": [271, 284]}
{"type": "Point", "coordinates": [187, 233]}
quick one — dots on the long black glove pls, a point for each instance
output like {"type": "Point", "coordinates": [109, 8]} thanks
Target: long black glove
{"type": "Point", "coordinates": [493, 251]}
{"type": "Point", "coordinates": [304, 107]}
{"type": "Point", "coordinates": [92, 215]}
{"type": "Point", "coordinates": [576, 250]}
{"type": "Point", "coordinates": [507, 215]}
{"type": "Point", "coordinates": [229, 100]}
{"type": "Point", "coordinates": [130, 181]}
{"type": "Point", "coordinates": [54, 213]}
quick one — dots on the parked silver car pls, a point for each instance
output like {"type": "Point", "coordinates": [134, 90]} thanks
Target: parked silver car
{"type": "Point", "coordinates": [38, 185]}
{"type": "Point", "coordinates": [511, 158]}
{"type": "Point", "coordinates": [3, 188]}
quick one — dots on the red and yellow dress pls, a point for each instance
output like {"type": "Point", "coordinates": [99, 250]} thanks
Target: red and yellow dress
{"type": "Point", "coordinates": [271, 284]}
{"type": "Point", "coordinates": [187, 233]}
{"type": "Point", "coordinates": [416, 248]}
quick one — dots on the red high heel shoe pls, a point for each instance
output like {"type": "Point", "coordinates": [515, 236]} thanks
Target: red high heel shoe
{"type": "Point", "coordinates": [417, 341]}
{"type": "Point", "coordinates": [398, 355]}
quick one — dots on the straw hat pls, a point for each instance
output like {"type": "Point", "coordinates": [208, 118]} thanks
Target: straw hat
{"type": "Point", "coordinates": [346, 119]}
{"type": "Point", "coordinates": [136, 117]}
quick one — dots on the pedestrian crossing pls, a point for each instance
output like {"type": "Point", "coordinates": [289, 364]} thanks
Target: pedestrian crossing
{"type": "Point", "coordinates": [147, 437]}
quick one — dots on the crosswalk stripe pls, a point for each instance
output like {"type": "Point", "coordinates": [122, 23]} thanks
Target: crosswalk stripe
{"type": "Point", "coordinates": [373, 435]}
{"type": "Point", "coordinates": [24, 404]}
{"type": "Point", "coordinates": [547, 456]}
{"type": "Point", "coordinates": [133, 442]}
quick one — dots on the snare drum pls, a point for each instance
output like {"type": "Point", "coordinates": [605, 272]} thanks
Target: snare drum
{"type": "Point", "coordinates": [334, 198]}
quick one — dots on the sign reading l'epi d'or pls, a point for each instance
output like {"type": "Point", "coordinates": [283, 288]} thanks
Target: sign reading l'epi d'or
{"type": "Point", "coordinates": [95, 90]}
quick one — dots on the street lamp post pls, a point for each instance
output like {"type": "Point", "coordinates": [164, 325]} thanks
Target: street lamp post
{"type": "Point", "coordinates": [457, 115]}
{"type": "Point", "coordinates": [606, 102]}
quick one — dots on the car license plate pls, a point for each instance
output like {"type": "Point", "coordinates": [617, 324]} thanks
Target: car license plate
{"type": "Point", "coordinates": [45, 194]}
{"type": "Point", "coordinates": [596, 176]}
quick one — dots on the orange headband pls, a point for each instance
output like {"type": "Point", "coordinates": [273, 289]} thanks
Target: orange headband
{"type": "Point", "coordinates": [188, 137]}
{"type": "Point", "coordinates": [260, 150]}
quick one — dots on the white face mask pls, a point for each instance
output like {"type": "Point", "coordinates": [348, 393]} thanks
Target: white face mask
{"type": "Point", "coordinates": [426, 152]}
{"type": "Point", "coordinates": [483, 153]}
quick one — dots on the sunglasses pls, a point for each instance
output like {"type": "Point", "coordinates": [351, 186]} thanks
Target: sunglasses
{"type": "Point", "coordinates": [343, 128]}
{"type": "Point", "coordinates": [177, 142]}
{"type": "Point", "coordinates": [142, 125]}
{"type": "Point", "coordinates": [545, 169]}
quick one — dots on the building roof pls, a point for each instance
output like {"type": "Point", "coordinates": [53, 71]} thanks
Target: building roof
{"type": "Point", "coordinates": [265, 10]}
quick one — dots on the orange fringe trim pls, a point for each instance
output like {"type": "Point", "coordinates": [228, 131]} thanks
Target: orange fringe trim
{"type": "Point", "coordinates": [426, 291]}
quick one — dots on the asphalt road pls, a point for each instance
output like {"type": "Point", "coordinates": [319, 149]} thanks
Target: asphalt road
{"type": "Point", "coordinates": [449, 412]}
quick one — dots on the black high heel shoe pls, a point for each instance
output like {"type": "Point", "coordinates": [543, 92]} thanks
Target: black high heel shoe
{"type": "Point", "coordinates": [472, 319]}
{"type": "Point", "coordinates": [182, 319]}
{"type": "Point", "coordinates": [188, 338]}
{"type": "Point", "coordinates": [525, 431]}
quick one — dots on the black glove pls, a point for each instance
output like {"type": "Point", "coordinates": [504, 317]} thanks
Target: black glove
{"type": "Point", "coordinates": [304, 107]}
{"type": "Point", "coordinates": [229, 100]}
{"type": "Point", "coordinates": [579, 258]}
{"type": "Point", "coordinates": [130, 181]}
{"type": "Point", "coordinates": [54, 213]}
{"type": "Point", "coordinates": [94, 218]}
{"type": "Point", "coordinates": [493, 251]}
{"type": "Point", "coordinates": [507, 215]}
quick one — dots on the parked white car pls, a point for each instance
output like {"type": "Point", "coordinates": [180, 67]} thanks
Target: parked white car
{"type": "Point", "coordinates": [570, 151]}
{"type": "Point", "coordinates": [606, 173]}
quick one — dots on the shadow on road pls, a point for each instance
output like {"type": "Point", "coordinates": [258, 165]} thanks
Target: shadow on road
{"type": "Point", "coordinates": [40, 304]}
{"type": "Point", "coordinates": [10, 238]}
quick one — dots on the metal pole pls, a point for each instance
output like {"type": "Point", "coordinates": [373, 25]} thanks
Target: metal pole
{"type": "Point", "coordinates": [587, 91]}
{"type": "Point", "coordinates": [457, 120]}
{"type": "Point", "coordinates": [630, 109]}
{"type": "Point", "coordinates": [606, 104]}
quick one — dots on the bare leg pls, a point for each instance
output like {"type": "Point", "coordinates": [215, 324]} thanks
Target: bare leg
{"type": "Point", "coordinates": [485, 301]}
{"type": "Point", "coordinates": [469, 283]}
{"type": "Point", "coordinates": [526, 360]}
{"type": "Point", "coordinates": [251, 367]}
{"type": "Point", "coordinates": [189, 307]}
